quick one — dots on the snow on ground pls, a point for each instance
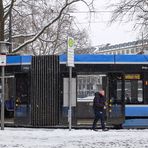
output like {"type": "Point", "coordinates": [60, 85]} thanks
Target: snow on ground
{"type": "Point", "coordinates": [63, 138]}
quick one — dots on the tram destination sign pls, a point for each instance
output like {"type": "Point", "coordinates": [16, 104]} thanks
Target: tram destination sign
{"type": "Point", "coordinates": [132, 77]}
{"type": "Point", "coordinates": [2, 60]}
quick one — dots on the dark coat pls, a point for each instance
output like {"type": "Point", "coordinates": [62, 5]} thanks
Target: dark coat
{"type": "Point", "coordinates": [99, 102]}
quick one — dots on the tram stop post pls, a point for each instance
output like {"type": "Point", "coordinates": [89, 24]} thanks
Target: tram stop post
{"type": "Point", "coordinates": [70, 64]}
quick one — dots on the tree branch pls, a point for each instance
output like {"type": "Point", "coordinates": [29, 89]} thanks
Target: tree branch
{"type": "Point", "coordinates": [67, 3]}
{"type": "Point", "coordinates": [9, 9]}
{"type": "Point", "coordinates": [49, 24]}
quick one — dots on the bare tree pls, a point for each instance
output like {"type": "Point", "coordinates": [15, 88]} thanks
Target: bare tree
{"type": "Point", "coordinates": [46, 23]}
{"type": "Point", "coordinates": [131, 10]}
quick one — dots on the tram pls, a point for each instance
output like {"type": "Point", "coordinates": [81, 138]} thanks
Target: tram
{"type": "Point", "coordinates": [37, 90]}
{"type": "Point", "coordinates": [125, 81]}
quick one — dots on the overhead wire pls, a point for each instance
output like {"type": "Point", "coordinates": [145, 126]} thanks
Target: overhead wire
{"type": "Point", "coordinates": [98, 11]}
{"type": "Point", "coordinates": [91, 11]}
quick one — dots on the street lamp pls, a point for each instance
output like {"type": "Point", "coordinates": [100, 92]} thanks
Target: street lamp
{"type": "Point", "coordinates": [4, 48]}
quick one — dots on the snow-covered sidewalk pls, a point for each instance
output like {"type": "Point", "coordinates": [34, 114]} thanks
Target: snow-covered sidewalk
{"type": "Point", "coordinates": [63, 138]}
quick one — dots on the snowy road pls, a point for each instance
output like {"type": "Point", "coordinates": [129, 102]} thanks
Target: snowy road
{"type": "Point", "coordinates": [61, 138]}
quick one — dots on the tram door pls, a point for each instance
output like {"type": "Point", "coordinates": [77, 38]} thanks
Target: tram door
{"type": "Point", "coordinates": [9, 98]}
{"type": "Point", "coordinates": [115, 97]}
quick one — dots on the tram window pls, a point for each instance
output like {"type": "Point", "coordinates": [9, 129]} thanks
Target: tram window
{"type": "Point", "coordinates": [133, 91]}
{"type": "Point", "coordinates": [119, 86]}
{"type": "Point", "coordinates": [88, 85]}
{"type": "Point", "coordinates": [80, 86]}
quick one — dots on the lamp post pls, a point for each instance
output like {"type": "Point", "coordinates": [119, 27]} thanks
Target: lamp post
{"type": "Point", "coordinates": [4, 46]}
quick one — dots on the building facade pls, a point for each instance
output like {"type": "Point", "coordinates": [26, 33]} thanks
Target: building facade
{"type": "Point", "coordinates": [135, 47]}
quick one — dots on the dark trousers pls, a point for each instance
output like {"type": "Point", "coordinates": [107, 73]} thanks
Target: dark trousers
{"type": "Point", "coordinates": [99, 115]}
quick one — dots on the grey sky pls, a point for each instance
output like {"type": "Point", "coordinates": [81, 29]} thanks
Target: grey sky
{"type": "Point", "coordinates": [97, 26]}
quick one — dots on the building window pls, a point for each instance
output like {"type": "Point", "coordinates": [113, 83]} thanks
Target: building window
{"type": "Point", "coordinates": [118, 52]}
{"type": "Point", "coordinates": [132, 50]}
{"type": "Point", "coordinates": [127, 51]}
{"type": "Point", "coordinates": [137, 50]}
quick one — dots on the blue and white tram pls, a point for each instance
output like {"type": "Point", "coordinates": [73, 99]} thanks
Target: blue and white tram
{"type": "Point", "coordinates": [123, 77]}
{"type": "Point", "coordinates": [125, 81]}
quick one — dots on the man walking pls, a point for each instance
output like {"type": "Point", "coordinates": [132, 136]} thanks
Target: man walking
{"type": "Point", "coordinates": [99, 110]}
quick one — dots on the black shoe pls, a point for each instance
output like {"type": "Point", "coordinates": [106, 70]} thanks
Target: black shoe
{"type": "Point", "coordinates": [105, 129]}
{"type": "Point", "coordinates": [95, 130]}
